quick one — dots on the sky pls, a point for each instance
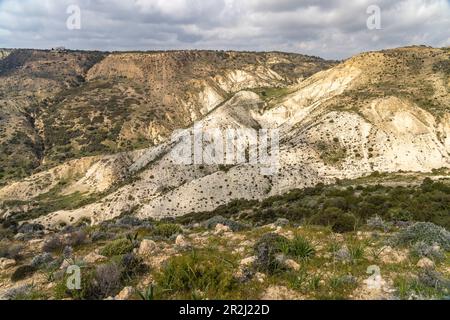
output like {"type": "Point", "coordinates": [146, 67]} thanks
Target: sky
{"type": "Point", "coordinates": [333, 29]}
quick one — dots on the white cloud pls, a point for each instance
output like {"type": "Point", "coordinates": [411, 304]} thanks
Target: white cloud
{"type": "Point", "coordinates": [332, 29]}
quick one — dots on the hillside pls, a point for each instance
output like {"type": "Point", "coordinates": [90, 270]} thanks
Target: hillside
{"type": "Point", "coordinates": [67, 105]}
{"type": "Point", "coordinates": [341, 123]}
{"type": "Point", "coordinates": [90, 175]}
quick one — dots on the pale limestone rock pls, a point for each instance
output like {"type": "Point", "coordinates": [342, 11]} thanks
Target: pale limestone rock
{"type": "Point", "coordinates": [125, 294]}
{"type": "Point", "coordinates": [65, 264]}
{"type": "Point", "coordinates": [247, 261]}
{"type": "Point", "coordinates": [220, 229]}
{"type": "Point", "coordinates": [291, 264]}
{"type": "Point", "coordinates": [94, 258]}
{"type": "Point", "coordinates": [425, 263]}
{"type": "Point", "coordinates": [389, 255]}
{"type": "Point", "coordinates": [147, 248]}
{"type": "Point", "coordinates": [7, 263]}
{"type": "Point", "coordinates": [181, 241]}
{"type": "Point", "coordinates": [260, 277]}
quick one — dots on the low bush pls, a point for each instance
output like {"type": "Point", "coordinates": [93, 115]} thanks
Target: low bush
{"type": "Point", "coordinates": [233, 225]}
{"type": "Point", "coordinates": [23, 272]}
{"type": "Point", "coordinates": [425, 232]}
{"type": "Point", "coordinates": [131, 266]}
{"type": "Point", "coordinates": [266, 250]}
{"type": "Point", "coordinates": [166, 230]}
{"type": "Point", "coordinates": [433, 252]}
{"type": "Point", "coordinates": [299, 248]}
{"type": "Point", "coordinates": [117, 247]}
{"type": "Point", "coordinates": [10, 251]}
{"type": "Point", "coordinates": [41, 260]}
{"type": "Point", "coordinates": [199, 271]}
{"type": "Point", "coordinates": [338, 220]}
{"type": "Point", "coordinates": [54, 244]}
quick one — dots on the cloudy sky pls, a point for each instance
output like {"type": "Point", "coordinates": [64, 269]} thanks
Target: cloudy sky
{"type": "Point", "coordinates": [331, 29]}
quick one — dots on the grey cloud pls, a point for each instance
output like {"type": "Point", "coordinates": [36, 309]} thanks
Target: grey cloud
{"type": "Point", "coordinates": [332, 29]}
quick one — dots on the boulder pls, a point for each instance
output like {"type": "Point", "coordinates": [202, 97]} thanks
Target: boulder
{"type": "Point", "coordinates": [220, 229]}
{"type": "Point", "coordinates": [425, 263]}
{"type": "Point", "coordinates": [7, 263]}
{"type": "Point", "coordinates": [181, 241]}
{"type": "Point", "coordinates": [94, 258]}
{"type": "Point", "coordinates": [147, 248]}
{"type": "Point", "coordinates": [126, 294]}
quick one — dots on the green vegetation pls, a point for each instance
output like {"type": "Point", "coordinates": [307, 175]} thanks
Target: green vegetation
{"type": "Point", "coordinates": [272, 95]}
{"type": "Point", "coordinates": [166, 230]}
{"type": "Point", "coordinates": [117, 247]}
{"type": "Point", "coordinates": [343, 208]}
{"type": "Point", "coordinates": [198, 274]}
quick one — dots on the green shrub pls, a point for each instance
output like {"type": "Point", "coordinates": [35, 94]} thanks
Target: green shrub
{"type": "Point", "coordinates": [266, 251]}
{"type": "Point", "coordinates": [433, 252]}
{"type": "Point", "coordinates": [167, 230]}
{"type": "Point", "coordinates": [425, 232]}
{"type": "Point", "coordinates": [198, 271]}
{"type": "Point", "coordinates": [299, 248]}
{"type": "Point", "coordinates": [117, 247]}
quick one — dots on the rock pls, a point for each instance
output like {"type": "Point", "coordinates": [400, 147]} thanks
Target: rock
{"type": "Point", "coordinates": [65, 264]}
{"type": "Point", "coordinates": [220, 229]}
{"type": "Point", "coordinates": [68, 252]}
{"type": "Point", "coordinates": [7, 263]}
{"type": "Point", "coordinates": [390, 256]}
{"type": "Point", "coordinates": [94, 258]}
{"type": "Point", "coordinates": [129, 221]}
{"type": "Point", "coordinates": [291, 264]}
{"type": "Point", "coordinates": [247, 261]}
{"type": "Point", "coordinates": [28, 228]}
{"type": "Point", "coordinates": [125, 294]}
{"type": "Point", "coordinates": [13, 293]}
{"type": "Point", "coordinates": [19, 237]}
{"type": "Point", "coordinates": [147, 248]}
{"type": "Point", "coordinates": [343, 255]}
{"type": "Point", "coordinates": [35, 241]}
{"type": "Point", "coordinates": [260, 277]}
{"type": "Point", "coordinates": [233, 225]}
{"type": "Point", "coordinates": [425, 263]}
{"type": "Point", "coordinates": [181, 242]}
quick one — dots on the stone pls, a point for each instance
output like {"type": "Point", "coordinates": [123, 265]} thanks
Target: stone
{"type": "Point", "coordinates": [260, 277]}
{"type": "Point", "coordinates": [7, 263]}
{"type": "Point", "coordinates": [181, 241]}
{"type": "Point", "coordinates": [281, 222]}
{"type": "Point", "coordinates": [126, 294]}
{"type": "Point", "coordinates": [291, 264]}
{"type": "Point", "coordinates": [147, 247]}
{"type": "Point", "coordinates": [425, 263]}
{"type": "Point", "coordinates": [247, 261]}
{"type": "Point", "coordinates": [390, 256]}
{"type": "Point", "coordinates": [220, 229]}
{"type": "Point", "coordinates": [19, 237]}
{"type": "Point", "coordinates": [94, 258]}
{"type": "Point", "coordinates": [65, 264]}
